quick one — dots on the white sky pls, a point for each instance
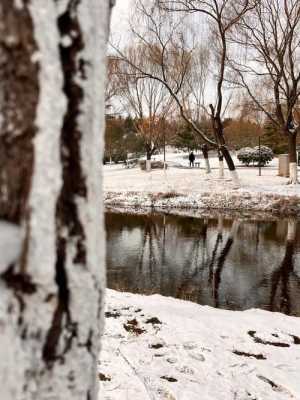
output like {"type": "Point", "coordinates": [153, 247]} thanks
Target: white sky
{"type": "Point", "coordinates": [120, 35]}
{"type": "Point", "coordinates": [120, 16]}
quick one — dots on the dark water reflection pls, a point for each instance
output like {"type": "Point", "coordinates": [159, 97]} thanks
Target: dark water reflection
{"type": "Point", "coordinates": [232, 264]}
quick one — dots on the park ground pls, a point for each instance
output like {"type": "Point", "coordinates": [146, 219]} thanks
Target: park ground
{"type": "Point", "coordinates": [158, 348]}
{"type": "Point", "coordinates": [181, 187]}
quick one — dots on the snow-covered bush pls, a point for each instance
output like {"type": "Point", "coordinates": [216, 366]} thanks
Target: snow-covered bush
{"type": "Point", "coordinates": [245, 155]}
{"type": "Point", "coordinates": [249, 155]}
{"type": "Point", "coordinates": [266, 155]}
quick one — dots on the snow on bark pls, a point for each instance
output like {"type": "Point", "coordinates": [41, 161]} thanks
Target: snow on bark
{"type": "Point", "coordinates": [52, 297]}
{"type": "Point", "coordinates": [47, 180]}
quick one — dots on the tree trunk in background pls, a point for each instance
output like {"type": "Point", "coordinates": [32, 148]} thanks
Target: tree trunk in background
{"type": "Point", "coordinates": [148, 161]}
{"type": "Point", "coordinates": [221, 165]}
{"type": "Point", "coordinates": [292, 140]}
{"type": "Point", "coordinates": [52, 75]}
{"type": "Point", "coordinates": [206, 159]}
{"type": "Point", "coordinates": [232, 170]}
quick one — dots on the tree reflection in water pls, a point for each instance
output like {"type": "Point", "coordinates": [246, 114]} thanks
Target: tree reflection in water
{"type": "Point", "coordinates": [281, 276]}
{"type": "Point", "coordinates": [219, 241]}
{"type": "Point", "coordinates": [219, 262]}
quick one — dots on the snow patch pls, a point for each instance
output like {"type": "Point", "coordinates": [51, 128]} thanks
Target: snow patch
{"type": "Point", "coordinates": [196, 352]}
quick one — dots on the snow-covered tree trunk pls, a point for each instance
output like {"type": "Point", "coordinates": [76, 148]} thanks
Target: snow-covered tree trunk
{"type": "Point", "coordinates": [206, 159]}
{"type": "Point", "coordinates": [148, 160]}
{"type": "Point", "coordinates": [221, 166]}
{"type": "Point", "coordinates": [52, 76]}
{"type": "Point", "coordinates": [148, 165]}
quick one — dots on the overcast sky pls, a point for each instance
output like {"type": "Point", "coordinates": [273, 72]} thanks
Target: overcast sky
{"type": "Point", "coordinates": [120, 15]}
{"type": "Point", "coordinates": [120, 28]}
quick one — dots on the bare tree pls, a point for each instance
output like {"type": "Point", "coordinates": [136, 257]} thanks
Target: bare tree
{"type": "Point", "coordinates": [168, 38]}
{"type": "Point", "coordinates": [113, 85]}
{"type": "Point", "coordinates": [52, 74]}
{"type": "Point", "coordinates": [270, 36]}
{"type": "Point", "coordinates": [222, 15]}
{"type": "Point", "coordinates": [197, 78]}
{"type": "Point", "coordinates": [146, 100]}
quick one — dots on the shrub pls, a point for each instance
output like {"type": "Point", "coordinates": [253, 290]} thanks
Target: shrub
{"type": "Point", "coordinates": [154, 165]}
{"type": "Point", "coordinates": [249, 155]}
{"type": "Point", "coordinates": [245, 155]}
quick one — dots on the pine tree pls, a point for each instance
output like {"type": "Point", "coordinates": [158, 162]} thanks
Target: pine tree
{"type": "Point", "coordinates": [273, 138]}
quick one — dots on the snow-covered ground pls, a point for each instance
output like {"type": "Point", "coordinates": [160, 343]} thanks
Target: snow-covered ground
{"type": "Point", "coordinates": [163, 348]}
{"type": "Point", "coordinates": [158, 188]}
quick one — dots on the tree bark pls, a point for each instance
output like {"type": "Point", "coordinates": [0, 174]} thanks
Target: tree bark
{"type": "Point", "coordinates": [52, 75]}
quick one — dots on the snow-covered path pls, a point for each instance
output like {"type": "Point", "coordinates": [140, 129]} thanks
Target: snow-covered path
{"type": "Point", "coordinates": [195, 180]}
{"type": "Point", "coordinates": [163, 348]}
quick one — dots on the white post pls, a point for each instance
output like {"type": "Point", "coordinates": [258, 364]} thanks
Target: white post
{"type": "Point", "coordinates": [293, 173]}
{"type": "Point", "coordinates": [148, 165]}
{"type": "Point", "coordinates": [221, 169]}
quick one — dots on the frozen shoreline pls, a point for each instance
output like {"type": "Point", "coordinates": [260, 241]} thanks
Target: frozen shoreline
{"type": "Point", "coordinates": [173, 203]}
{"type": "Point", "coordinates": [163, 348]}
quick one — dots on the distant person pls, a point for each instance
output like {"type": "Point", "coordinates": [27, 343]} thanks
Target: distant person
{"type": "Point", "coordinates": [192, 159]}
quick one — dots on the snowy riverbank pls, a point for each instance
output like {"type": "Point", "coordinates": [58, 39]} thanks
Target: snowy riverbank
{"type": "Point", "coordinates": [163, 348]}
{"type": "Point", "coordinates": [193, 189]}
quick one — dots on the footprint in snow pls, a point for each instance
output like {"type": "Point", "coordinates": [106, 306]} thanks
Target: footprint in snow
{"type": "Point", "coordinates": [197, 356]}
{"type": "Point", "coordinates": [171, 360]}
{"type": "Point", "coordinates": [189, 346]}
{"type": "Point", "coordinates": [185, 370]}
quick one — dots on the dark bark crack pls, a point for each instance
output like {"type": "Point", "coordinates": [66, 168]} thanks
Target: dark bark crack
{"type": "Point", "coordinates": [69, 226]}
{"type": "Point", "coordinates": [74, 183]}
{"type": "Point", "coordinates": [21, 285]}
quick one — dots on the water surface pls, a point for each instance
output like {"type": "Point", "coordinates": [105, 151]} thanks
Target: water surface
{"type": "Point", "coordinates": [223, 262]}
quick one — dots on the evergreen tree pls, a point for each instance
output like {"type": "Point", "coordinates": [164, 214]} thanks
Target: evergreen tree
{"type": "Point", "coordinates": [273, 138]}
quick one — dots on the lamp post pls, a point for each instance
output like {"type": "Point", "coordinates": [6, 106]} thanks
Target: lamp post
{"type": "Point", "coordinates": [259, 150]}
{"type": "Point", "coordinates": [164, 150]}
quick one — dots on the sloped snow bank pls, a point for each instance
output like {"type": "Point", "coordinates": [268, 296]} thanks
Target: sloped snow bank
{"type": "Point", "coordinates": [193, 189]}
{"type": "Point", "coordinates": [223, 200]}
{"type": "Point", "coordinates": [162, 348]}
